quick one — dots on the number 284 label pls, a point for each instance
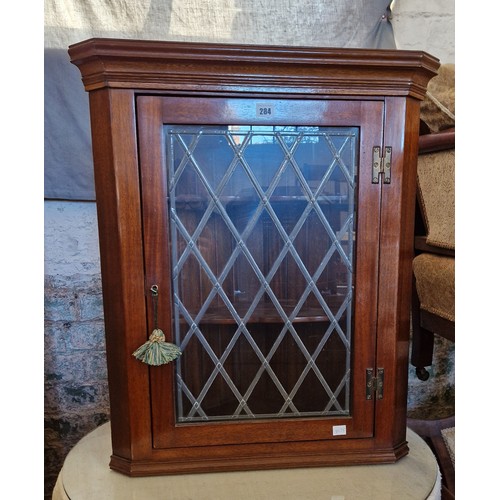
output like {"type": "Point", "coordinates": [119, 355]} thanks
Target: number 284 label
{"type": "Point", "coordinates": [264, 110]}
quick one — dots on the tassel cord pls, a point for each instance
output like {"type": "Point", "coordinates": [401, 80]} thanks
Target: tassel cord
{"type": "Point", "coordinates": [154, 293]}
{"type": "Point", "coordinates": [156, 351]}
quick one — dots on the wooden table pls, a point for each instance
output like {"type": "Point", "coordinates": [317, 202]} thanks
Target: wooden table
{"type": "Point", "coordinates": [86, 475]}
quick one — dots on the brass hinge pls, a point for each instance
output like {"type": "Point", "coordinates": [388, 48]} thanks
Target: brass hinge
{"type": "Point", "coordinates": [381, 164]}
{"type": "Point", "coordinates": [374, 384]}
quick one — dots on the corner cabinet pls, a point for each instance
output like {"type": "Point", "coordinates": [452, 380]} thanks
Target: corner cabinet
{"type": "Point", "coordinates": [256, 204]}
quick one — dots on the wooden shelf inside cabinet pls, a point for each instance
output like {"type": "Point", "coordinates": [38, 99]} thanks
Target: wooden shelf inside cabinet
{"type": "Point", "coordinates": [241, 183]}
{"type": "Point", "coordinates": [263, 314]}
{"type": "Point", "coordinates": [195, 202]}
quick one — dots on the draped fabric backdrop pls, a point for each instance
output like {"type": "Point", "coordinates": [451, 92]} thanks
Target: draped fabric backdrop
{"type": "Point", "coordinates": [68, 156]}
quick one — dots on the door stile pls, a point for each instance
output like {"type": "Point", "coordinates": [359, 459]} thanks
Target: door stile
{"type": "Point", "coordinates": [367, 272]}
{"type": "Point", "coordinates": [156, 249]}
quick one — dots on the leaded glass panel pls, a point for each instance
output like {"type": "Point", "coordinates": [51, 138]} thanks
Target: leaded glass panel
{"type": "Point", "coordinates": [263, 230]}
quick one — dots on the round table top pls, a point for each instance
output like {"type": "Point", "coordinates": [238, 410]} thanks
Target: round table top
{"type": "Point", "coordinates": [86, 475]}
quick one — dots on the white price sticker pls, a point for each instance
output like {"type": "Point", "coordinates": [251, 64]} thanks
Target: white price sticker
{"type": "Point", "coordinates": [339, 430]}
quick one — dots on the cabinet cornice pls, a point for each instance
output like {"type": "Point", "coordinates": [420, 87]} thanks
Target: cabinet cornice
{"type": "Point", "coordinates": [219, 68]}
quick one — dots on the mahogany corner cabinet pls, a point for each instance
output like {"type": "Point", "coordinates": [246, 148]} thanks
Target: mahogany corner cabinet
{"type": "Point", "coordinates": [256, 205]}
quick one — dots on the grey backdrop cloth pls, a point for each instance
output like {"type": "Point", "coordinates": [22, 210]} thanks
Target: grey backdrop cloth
{"type": "Point", "coordinates": [320, 23]}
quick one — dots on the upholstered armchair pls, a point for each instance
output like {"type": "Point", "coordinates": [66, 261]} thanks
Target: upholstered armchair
{"type": "Point", "coordinates": [433, 307]}
{"type": "Point", "coordinates": [434, 263]}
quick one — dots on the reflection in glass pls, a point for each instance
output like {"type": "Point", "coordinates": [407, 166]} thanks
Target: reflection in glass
{"type": "Point", "coordinates": [262, 227]}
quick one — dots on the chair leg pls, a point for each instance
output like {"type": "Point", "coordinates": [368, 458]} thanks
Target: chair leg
{"type": "Point", "coordinates": [422, 340]}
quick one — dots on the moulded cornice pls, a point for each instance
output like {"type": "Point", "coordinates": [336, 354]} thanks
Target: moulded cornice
{"type": "Point", "coordinates": [228, 68]}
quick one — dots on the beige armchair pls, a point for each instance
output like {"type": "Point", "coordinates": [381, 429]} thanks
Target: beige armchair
{"type": "Point", "coordinates": [434, 263]}
{"type": "Point", "coordinates": [433, 305]}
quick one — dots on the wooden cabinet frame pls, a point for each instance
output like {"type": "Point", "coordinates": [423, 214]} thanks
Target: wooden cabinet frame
{"type": "Point", "coordinates": [133, 86]}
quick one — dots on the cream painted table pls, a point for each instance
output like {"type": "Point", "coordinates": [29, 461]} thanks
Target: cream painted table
{"type": "Point", "coordinates": [86, 476]}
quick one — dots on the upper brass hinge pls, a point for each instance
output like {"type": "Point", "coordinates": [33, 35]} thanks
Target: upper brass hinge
{"type": "Point", "coordinates": [381, 164]}
{"type": "Point", "coordinates": [374, 383]}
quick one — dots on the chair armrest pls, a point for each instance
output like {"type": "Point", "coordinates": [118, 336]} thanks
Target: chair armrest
{"type": "Point", "coordinates": [438, 141]}
{"type": "Point", "coordinates": [422, 246]}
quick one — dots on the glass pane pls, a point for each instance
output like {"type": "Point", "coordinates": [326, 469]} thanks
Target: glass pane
{"type": "Point", "coordinates": [262, 227]}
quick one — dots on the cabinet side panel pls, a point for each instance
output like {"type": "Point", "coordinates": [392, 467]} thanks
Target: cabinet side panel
{"type": "Point", "coordinates": [396, 250]}
{"type": "Point", "coordinates": [120, 236]}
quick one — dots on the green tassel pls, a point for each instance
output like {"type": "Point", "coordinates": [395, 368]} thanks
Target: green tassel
{"type": "Point", "coordinates": [156, 351]}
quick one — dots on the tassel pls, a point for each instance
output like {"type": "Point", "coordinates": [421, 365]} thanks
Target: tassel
{"type": "Point", "coordinates": [156, 351]}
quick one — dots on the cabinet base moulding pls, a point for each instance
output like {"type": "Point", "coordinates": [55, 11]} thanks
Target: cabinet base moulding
{"type": "Point", "coordinates": [191, 465]}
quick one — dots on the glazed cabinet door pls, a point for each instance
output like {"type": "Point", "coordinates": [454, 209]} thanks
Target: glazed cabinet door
{"type": "Point", "coordinates": [261, 230]}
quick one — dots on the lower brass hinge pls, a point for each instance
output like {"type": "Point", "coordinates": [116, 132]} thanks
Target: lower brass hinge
{"type": "Point", "coordinates": [374, 384]}
{"type": "Point", "coordinates": [381, 164]}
